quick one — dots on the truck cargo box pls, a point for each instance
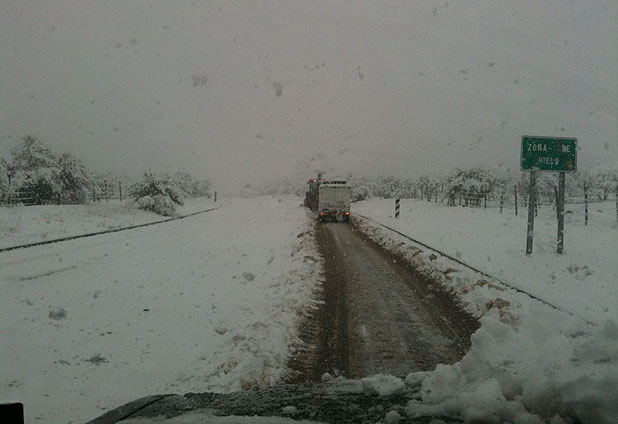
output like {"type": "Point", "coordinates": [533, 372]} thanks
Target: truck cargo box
{"type": "Point", "coordinates": [334, 201]}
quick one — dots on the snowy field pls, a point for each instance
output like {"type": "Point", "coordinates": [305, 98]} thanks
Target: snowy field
{"type": "Point", "coordinates": [208, 303]}
{"type": "Point", "coordinates": [529, 363]}
{"type": "Point", "coordinates": [29, 224]}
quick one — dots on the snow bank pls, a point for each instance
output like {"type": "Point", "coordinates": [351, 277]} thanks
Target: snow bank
{"type": "Point", "coordinates": [514, 373]}
{"type": "Point", "coordinates": [383, 385]}
{"type": "Point", "coordinates": [529, 362]}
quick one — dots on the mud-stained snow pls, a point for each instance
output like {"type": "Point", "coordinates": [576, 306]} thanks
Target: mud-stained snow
{"type": "Point", "coordinates": [208, 303]}
{"type": "Point", "coordinates": [528, 361]}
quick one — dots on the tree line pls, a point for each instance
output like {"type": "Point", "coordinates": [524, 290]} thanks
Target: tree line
{"type": "Point", "coordinates": [35, 174]}
{"type": "Point", "coordinates": [472, 185]}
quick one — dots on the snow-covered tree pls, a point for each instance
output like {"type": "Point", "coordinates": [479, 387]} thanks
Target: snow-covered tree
{"type": "Point", "coordinates": [190, 186]}
{"type": "Point", "coordinates": [472, 183]}
{"type": "Point", "coordinates": [41, 176]}
{"type": "Point", "coordinates": [32, 154]}
{"type": "Point", "coordinates": [605, 180]}
{"type": "Point", "coordinates": [36, 172]}
{"type": "Point", "coordinates": [74, 177]}
{"type": "Point", "coordinates": [427, 186]}
{"type": "Point", "coordinates": [361, 187]}
{"type": "Point", "coordinates": [38, 186]}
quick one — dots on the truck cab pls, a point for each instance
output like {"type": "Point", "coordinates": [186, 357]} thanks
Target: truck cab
{"type": "Point", "coordinates": [334, 201]}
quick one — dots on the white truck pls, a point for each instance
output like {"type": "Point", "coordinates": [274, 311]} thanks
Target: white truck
{"type": "Point", "coordinates": [334, 201]}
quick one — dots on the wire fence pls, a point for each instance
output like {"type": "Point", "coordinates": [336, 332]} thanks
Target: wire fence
{"type": "Point", "coordinates": [100, 193]}
{"type": "Point", "coordinates": [516, 199]}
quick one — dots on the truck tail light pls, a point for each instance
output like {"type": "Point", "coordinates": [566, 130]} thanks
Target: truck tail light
{"type": "Point", "coordinates": [346, 213]}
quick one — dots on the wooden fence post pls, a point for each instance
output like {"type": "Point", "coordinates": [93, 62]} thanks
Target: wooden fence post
{"type": "Point", "coordinates": [586, 202]}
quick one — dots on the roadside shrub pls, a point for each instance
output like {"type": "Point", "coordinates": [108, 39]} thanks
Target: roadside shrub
{"type": "Point", "coordinates": [146, 203]}
{"type": "Point", "coordinates": [152, 186]}
{"type": "Point", "coordinates": [159, 204]}
{"type": "Point", "coordinates": [159, 195]}
{"type": "Point", "coordinates": [164, 206]}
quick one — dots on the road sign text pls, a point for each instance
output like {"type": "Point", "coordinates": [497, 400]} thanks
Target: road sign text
{"type": "Point", "coordinates": [549, 153]}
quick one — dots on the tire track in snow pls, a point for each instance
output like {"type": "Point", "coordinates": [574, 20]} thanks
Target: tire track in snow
{"type": "Point", "coordinates": [484, 274]}
{"type": "Point", "coordinates": [379, 315]}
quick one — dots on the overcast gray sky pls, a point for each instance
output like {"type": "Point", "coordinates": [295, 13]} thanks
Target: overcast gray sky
{"type": "Point", "coordinates": [247, 91]}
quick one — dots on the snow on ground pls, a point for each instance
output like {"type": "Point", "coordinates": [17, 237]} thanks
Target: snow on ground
{"type": "Point", "coordinates": [21, 224]}
{"type": "Point", "coordinates": [212, 303]}
{"type": "Point", "coordinates": [208, 303]}
{"type": "Point", "coordinates": [528, 363]}
{"type": "Point", "coordinates": [581, 281]}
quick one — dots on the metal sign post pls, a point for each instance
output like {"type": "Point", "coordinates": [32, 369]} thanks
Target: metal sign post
{"type": "Point", "coordinates": [554, 154]}
{"type": "Point", "coordinates": [531, 203]}
{"type": "Point", "coordinates": [560, 209]}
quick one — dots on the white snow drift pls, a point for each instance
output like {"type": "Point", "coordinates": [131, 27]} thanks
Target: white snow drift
{"type": "Point", "coordinates": [208, 303]}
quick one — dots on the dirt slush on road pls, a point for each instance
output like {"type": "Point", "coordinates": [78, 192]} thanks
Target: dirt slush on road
{"type": "Point", "coordinates": [380, 315]}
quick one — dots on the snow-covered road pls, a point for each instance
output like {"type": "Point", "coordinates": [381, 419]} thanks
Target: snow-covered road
{"type": "Point", "coordinates": [214, 303]}
{"type": "Point", "coordinates": [206, 303]}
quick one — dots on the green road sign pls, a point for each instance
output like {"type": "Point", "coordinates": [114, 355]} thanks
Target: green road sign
{"type": "Point", "coordinates": [549, 153]}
